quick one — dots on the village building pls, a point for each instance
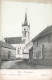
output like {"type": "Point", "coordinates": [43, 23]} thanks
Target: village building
{"type": "Point", "coordinates": [30, 54]}
{"type": "Point", "coordinates": [7, 51]}
{"type": "Point", "coordinates": [41, 52]}
{"type": "Point", "coordinates": [29, 45]}
{"type": "Point", "coordinates": [20, 42]}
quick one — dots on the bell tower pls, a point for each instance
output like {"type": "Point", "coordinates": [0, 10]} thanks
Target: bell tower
{"type": "Point", "coordinates": [26, 29]}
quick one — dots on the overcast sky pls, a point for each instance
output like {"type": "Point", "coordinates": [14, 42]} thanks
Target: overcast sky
{"type": "Point", "coordinates": [13, 14]}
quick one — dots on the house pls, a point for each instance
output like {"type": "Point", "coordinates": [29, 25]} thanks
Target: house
{"type": "Point", "coordinates": [20, 42]}
{"type": "Point", "coordinates": [42, 47]}
{"type": "Point", "coordinates": [7, 51]}
{"type": "Point", "coordinates": [27, 47]}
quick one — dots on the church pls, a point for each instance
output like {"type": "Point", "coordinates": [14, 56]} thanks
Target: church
{"type": "Point", "coordinates": [20, 42]}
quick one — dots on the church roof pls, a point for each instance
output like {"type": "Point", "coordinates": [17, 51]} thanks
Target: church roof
{"type": "Point", "coordinates": [46, 31]}
{"type": "Point", "coordinates": [14, 40]}
{"type": "Point", "coordinates": [6, 45]}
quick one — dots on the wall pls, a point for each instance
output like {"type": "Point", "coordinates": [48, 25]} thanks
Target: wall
{"type": "Point", "coordinates": [47, 51]}
{"type": "Point", "coordinates": [0, 55]}
{"type": "Point", "coordinates": [18, 46]}
{"type": "Point", "coordinates": [44, 47]}
{"type": "Point", "coordinates": [30, 55]}
{"type": "Point", "coordinates": [22, 50]}
{"type": "Point", "coordinates": [27, 34]}
{"type": "Point", "coordinates": [37, 53]}
{"type": "Point", "coordinates": [44, 57]}
{"type": "Point", "coordinates": [40, 41]}
{"type": "Point", "coordinates": [50, 37]}
{"type": "Point", "coordinates": [28, 46]}
{"type": "Point", "coordinates": [5, 53]}
{"type": "Point", "coordinates": [42, 62]}
{"type": "Point", "coordinates": [43, 52]}
{"type": "Point", "coordinates": [26, 56]}
{"type": "Point", "coordinates": [43, 40]}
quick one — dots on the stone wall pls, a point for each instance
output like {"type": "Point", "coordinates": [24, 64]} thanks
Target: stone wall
{"type": "Point", "coordinates": [43, 52]}
{"type": "Point", "coordinates": [7, 54]}
{"type": "Point", "coordinates": [30, 55]}
{"type": "Point", "coordinates": [42, 40]}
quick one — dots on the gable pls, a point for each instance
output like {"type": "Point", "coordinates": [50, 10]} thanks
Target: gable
{"type": "Point", "coordinates": [6, 45]}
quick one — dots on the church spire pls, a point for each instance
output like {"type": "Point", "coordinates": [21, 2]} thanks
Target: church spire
{"type": "Point", "coordinates": [26, 29]}
{"type": "Point", "coordinates": [25, 21]}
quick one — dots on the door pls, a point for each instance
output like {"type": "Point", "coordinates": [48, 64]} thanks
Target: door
{"type": "Point", "coordinates": [9, 55]}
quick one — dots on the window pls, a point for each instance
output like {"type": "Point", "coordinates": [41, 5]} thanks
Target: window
{"type": "Point", "coordinates": [34, 54]}
{"type": "Point", "coordinates": [20, 47]}
{"type": "Point", "coordinates": [49, 38]}
{"type": "Point", "coordinates": [24, 29]}
{"type": "Point", "coordinates": [24, 33]}
{"type": "Point", "coordinates": [28, 34]}
{"type": "Point", "coordinates": [18, 51]}
{"type": "Point", "coordinates": [9, 54]}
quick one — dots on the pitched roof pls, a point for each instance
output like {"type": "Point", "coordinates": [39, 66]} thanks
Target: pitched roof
{"type": "Point", "coordinates": [46, 31]}
{"type": "Point", "coordinates": [6, 45]}
{"type": "Point", "coordinates": [31, 48]}
{"type": "Point", "coordinates": [14, 40]}
{"type": "Point", "coordinates": [29, 45]}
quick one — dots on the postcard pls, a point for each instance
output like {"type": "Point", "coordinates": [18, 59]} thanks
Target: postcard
{"type": "Point", "coordinates": [26, 40]}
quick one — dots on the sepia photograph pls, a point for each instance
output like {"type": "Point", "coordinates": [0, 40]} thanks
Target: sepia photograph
{"type": "Point", "coordinates": [26, 35]}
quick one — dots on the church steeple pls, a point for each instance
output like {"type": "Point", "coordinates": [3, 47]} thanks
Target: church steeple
{"type": "Point", "coordinates": [25, 21]}
{"type": "Point", "coordinates": [26, 29]}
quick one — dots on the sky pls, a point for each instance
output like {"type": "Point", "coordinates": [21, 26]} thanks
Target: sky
{"type": "Point", "coordinates": [13, 14]}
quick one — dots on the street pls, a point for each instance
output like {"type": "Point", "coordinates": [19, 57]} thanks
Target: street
{"type": "Point", "coordinates": [21, 64]}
